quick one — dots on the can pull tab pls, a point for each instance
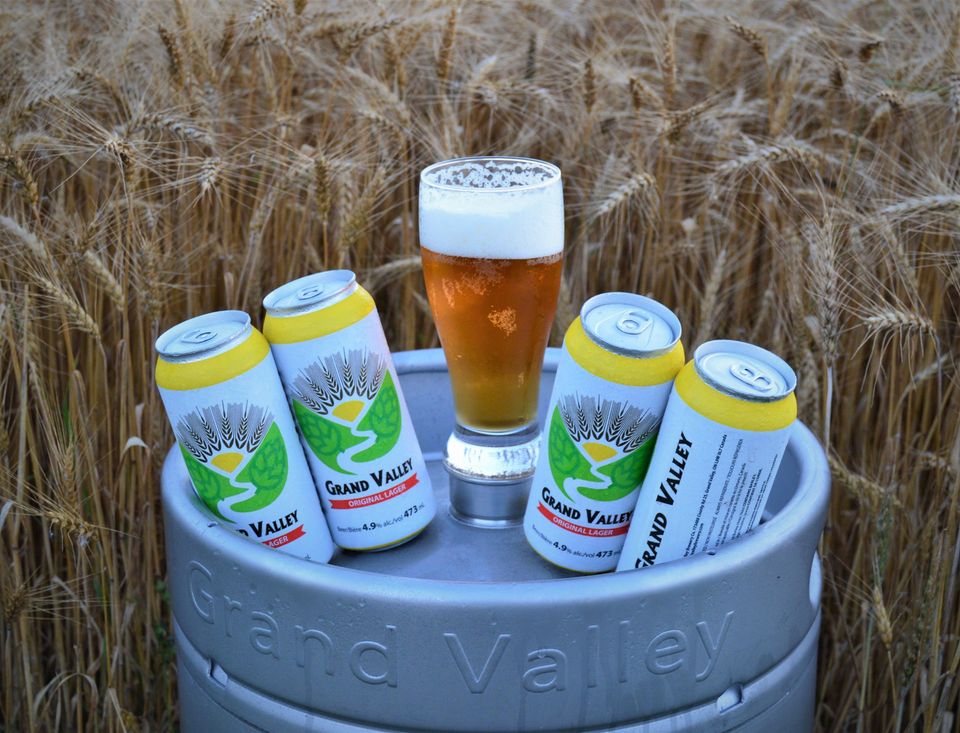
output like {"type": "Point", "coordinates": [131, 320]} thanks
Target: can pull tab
{"type": "Point", "coordinates": [752, 377]}
{"type": "Point", "coordinates": [199, 336]}
{"type": "Point", "coordinates": [310, 292]}
{"type": "Point", "coordinates": [635, 323]}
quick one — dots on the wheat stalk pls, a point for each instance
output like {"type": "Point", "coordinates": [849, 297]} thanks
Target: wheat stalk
{"type": "Point", "coordinates": [894, 98]}
{"type": "Point", "coordinates": [884, 627]}
{"type": "Point", "coordinates": [262, 14]}
{"type": "Point", "coordinates": [356, 219]}
{"type": "Point", "coordinates": [379, 277]}
{"type": "Point", "coordinates": [953, 96]}
{"type": "Point", "coordinates": [676, 122]}
{"type": "Point", "coordinates": [228, 37]}
{"type": "Point", "coordinates": [179, 128]}
{"type": "Point", "coordinates": [17, 169]}
{"type": "Point", "coordinates": [101, 273]}
{"type": "Point", "coordinates": [348, 40]}
{"type": "Point", "coordinates": [891, 320]}
{"type": "Point", "coordinates": [825, 287]}
{"type": "Point", "coordinates": [868, 49]}
{"type": "Point", "coordinates": [669, 65]}
{"type": "Point", "coordinates": [24, 236]}
{"type": "Point", "coordinates": [920, 205]}
{"type": "Point", "coordinates": [210, 172]}
{"type": "Point", "coordinates": [862, 488]}
{"type": "Point", "coordinates": [786, 151]}
{"type": "Point", "coordinates": [752, 38]}
{"type": "Point", "coordinates": [639, 184]}
{"type": "Point", "coordinates": [643, 96]}
{"type": "Point", "coordinates": [174, 56]}
{"type": "Point", "coordinates": [76, 313]}
{"type": "Point", "coordinates": [445, 57]}
{"type": "Point", "coordinates": [589, 86]}
{"type": "Point", "coordinates": [709, 299]}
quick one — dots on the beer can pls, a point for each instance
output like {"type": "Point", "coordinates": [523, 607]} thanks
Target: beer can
{"type": "Point", "coordinates": [618, 363]}
{"type": "Point", "coordinates": [335, 364]}
{"type": "Point", "coordinates": [220, 387]}
{"type": "Point", "coordinates": [723, 436]}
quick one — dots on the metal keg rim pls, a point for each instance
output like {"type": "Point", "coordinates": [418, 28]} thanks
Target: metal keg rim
{"type": "Point", "coordinates": [805, 508]}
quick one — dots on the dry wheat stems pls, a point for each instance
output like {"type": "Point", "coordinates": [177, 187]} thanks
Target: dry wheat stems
{"type": "Point", "coordinates": [787, 176]}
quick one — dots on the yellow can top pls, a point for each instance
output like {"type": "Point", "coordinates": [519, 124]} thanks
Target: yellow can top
{"type": "Point", "coordinates": [628, 370]}
{"type": "Point", "coordinates": [730, 411]}
{"type": "Point", "coordinates": [316, 323]}
{"type": "Point", "coordinates": [220, 367]}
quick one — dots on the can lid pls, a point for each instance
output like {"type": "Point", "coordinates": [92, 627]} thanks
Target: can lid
{"type": "Point", "coordinates": [744, 371]}
{"type": "Point", "coordinates": [313, 292]}
{"type": "Point", "coordinates": [203, 336]}
{"type": "Point", "coordinates": [630, 324]}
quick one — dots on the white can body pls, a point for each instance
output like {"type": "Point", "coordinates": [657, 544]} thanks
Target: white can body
{"type": "Point", "coordinates": [246, 463]}
{"type": "Point", "coordinates": [707, 484]}
{"type": "Point", "coordinates": [596, 445]}
{"type": "Point", "coordinates": [358, 436]}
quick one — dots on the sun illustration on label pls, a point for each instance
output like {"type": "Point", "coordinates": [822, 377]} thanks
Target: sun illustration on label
{"type": "Point", "coordinates": [347, 408]}
{"type": "Point", "coordinates": [600, 448]}
{"type": "Point", "coordinates": [233, 452]}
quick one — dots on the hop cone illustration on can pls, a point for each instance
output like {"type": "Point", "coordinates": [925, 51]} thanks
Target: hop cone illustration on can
{"type": "Point", "coordinates": [347, 407]}
{"type": "Point", "coordinates": [587, 433]}
{"type": "Point", "coordinates": [233, 451]}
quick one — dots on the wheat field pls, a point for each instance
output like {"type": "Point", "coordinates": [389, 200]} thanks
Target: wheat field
{"type": "Point", "coordinates": [782, 172]}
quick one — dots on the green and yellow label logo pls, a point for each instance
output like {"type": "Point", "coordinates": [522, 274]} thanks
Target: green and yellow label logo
{"type": "Point", "coordinates": [348, 409]}
{"type": "Point", "coordinates": [235, 456]}
{"type": "Point", "coordinates": [597, 448]}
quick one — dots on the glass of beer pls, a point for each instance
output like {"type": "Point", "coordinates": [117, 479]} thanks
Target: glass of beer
{"type": "Point", "coordinates": [491, 241]}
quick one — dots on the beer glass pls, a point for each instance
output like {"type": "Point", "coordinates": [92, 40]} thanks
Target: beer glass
{"type": "Point", "coordinates": [491, 242]}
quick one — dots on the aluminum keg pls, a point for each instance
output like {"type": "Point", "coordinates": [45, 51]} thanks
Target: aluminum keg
{"type": "Point", "coordinates": [466, 629]}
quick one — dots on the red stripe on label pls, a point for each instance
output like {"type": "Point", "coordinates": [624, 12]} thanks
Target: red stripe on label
{"type": "Point", "coordinates": [285, 539]}
{"type": "Point", "coordinates": [580, 529]}
{"type": "Point", "coordinates": [377, 498]}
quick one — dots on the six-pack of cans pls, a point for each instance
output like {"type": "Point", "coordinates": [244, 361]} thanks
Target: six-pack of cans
{"type": "Point", "coordinates": [300, 439]}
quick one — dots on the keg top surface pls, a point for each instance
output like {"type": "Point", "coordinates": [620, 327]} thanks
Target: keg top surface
{"type": "Point", "coordinates": [203, 336]}
{"type": "Point", "coordinates": [313, 292]}
{"type": "Point", "coordinates": [448, 550]}
{"type": "Point", "coordinates": [744, 371]}
{"type": "Point", "coordinates": [630, 324]}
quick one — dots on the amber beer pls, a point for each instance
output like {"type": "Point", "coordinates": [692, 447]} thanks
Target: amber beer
{"type": "Point", "coordinates": [494, 317]}
{"type": "Point", "coordinates": [491, 241]}
{"type": "Point", "coordinates": [491, 236]}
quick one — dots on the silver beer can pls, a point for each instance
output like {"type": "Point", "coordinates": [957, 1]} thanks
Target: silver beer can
{"type": "Point", "coordinates": [723, 436]}
{"type": "Point", "coordinates": [335, 364]}
{"type": "Point", "coordinates": [616, 369]}
{"type": "Point", "coordinates": [220, 387]}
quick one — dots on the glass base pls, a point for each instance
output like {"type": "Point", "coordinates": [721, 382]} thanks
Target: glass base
{"type": "Point", "coordinates": [490, 474]}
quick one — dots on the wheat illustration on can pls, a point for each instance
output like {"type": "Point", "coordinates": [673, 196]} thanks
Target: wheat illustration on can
{"type": "Point", "coordinates": [335, 364]}
{"type": "Point", "coordinates": [723, 436]}
{"type": "Point", "coordinates": [223, 396]}
{"type": "Point", "coordinates": [617, 366]}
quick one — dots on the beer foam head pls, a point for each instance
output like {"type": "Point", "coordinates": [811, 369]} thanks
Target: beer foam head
{"type": "Point", "coordinates": [495, 208]}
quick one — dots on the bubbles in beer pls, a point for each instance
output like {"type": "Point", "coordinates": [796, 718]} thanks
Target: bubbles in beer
{"type": "Point", "coordinates": [504, 319]}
